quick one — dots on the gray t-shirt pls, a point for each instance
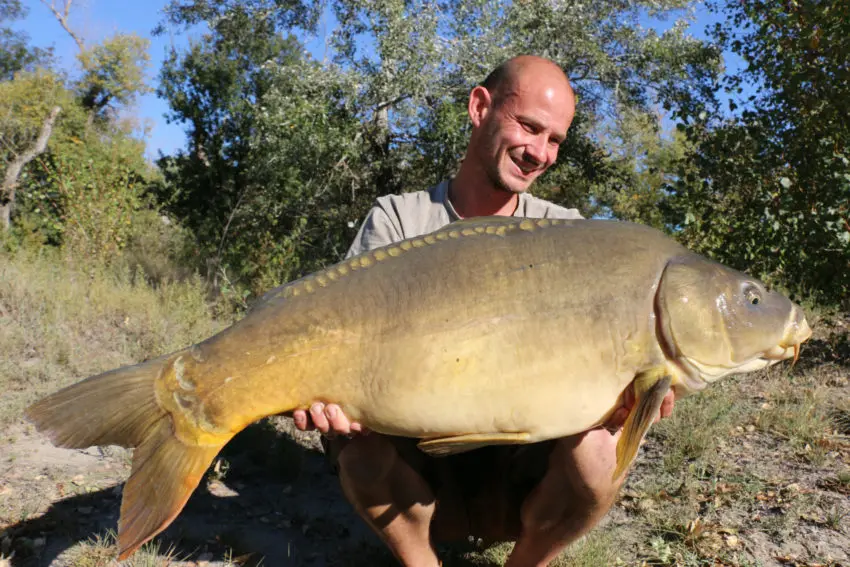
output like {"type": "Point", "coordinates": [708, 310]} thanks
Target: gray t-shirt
{"type": "Point", "coordinates": [398, 217]}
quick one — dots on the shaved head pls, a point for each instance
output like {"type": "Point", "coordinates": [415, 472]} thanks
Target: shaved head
{"type": "Point", "coordinates": [506, 79]}
{"type": "Point", "coordinates": [520, 115]}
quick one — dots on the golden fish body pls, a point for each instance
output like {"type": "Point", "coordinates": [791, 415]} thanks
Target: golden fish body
{"type": "Point", "coordinates": [488, 331]}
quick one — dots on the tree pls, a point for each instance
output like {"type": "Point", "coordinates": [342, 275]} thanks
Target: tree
{"type": "Point", "coordinates": [113, 73]}
{"type": "Point", "coordinates": [29, 107]}
{"type": "Point", "coordinates": [769, 187]}
{"type": "Point", "coordinates": [215, 88]}
{"type": "Point", "coordinates": [26, 130]}
{"type": "Point", "coordinates": [113, 70]}
{"type": "Point", "coordinates": [82, 188]}
{"type": "Point", "coordinates": [395, 77]}
{"type": "Point", "coordinates": [15, 52]}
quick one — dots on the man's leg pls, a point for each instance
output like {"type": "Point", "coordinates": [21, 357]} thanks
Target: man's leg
{"type": "Point", "coordinates": [392, 497]}
{"type": "Point", "coordinates": [575, 493]}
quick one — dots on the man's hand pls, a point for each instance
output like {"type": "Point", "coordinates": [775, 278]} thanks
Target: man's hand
{"type": "Point", "coordinates": [618, 418]}
{"type": "Point", "coordinates": [328, 419]}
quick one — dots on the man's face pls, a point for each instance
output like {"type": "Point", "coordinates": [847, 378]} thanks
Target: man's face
{"type": "Point", "coordinates": [521, 135]}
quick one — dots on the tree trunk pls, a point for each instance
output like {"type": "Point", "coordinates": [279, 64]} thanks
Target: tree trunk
{"type": "Point", "coordinates": [10, 179]}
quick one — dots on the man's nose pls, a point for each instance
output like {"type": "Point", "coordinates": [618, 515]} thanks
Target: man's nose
{"type": "Point", "coordinates": [536, 150]}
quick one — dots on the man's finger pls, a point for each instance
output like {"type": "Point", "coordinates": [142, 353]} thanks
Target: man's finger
{"type": "Point", "coordinates": [317, 413]}
{"type": "Point", "coordinates": [617, 419]}
{"type": "Point", "coordinates": [302, 422]}
{"type": "Point", "coordinates": [336, 419]}
{"type": "Point", "coordinates": [667, 404]}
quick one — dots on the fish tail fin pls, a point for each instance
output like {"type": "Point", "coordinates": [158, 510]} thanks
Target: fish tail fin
{"type": "Point", "coordinates": [150, 502]}
{"type": "Point", "coordinates": [120, 407]}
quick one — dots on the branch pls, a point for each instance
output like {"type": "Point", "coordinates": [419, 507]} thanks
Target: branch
{"type": "Point", "coordinates": [63, 20]}
{"type": "Point", "coordinates": [10, 179]}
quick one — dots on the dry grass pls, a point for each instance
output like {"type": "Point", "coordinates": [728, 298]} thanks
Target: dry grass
{"type": "Point", "coordinates": [61, 321]}
{"type": "Point", "coordinates": [736, 474]}
{"type": "Point", "coordinates": [100, 551]}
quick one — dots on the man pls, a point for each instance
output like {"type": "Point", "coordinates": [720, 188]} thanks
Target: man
{"type": "Point", "coordinates": [543, 495]}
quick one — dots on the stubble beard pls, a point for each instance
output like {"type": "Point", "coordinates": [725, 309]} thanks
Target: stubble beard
{"type": "Point", "coordinates": [498, 177]}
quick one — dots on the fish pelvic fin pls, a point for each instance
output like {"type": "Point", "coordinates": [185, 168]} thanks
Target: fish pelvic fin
{"type": "Point", "coordinates": [650, 389]}
{"type": "Point", "coordinates": [445, 446]}
{"type": "Point", "coordinates": [165, 473]}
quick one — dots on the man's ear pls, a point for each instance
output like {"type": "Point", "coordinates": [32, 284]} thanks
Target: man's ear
{"type": "Point", "coordinates": [480, 105]}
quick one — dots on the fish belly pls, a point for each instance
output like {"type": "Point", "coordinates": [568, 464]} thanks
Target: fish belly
{"type": "Point", "coordinates": [502, 375]}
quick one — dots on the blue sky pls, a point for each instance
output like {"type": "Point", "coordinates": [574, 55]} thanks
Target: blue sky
{"type": "Point", "coordinates": [94, 20]}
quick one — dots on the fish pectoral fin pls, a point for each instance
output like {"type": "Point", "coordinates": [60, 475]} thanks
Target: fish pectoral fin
{"type": "Point", "coordinates": [445, 446]}
{"type": "Point", "coordinates": [650, 389]}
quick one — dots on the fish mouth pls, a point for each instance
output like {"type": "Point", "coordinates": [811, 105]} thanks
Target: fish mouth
{"type": "Point", "coordinates": [780, 352]}
{"type": "Point", "coordinates": [798, 332]}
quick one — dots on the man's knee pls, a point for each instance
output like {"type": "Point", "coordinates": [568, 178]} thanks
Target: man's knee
{"type": "Point", "coordinates": [367, 460]}
{"type": "Point", "coordinates": [572, 488]}
{"type": "Point", "coordinates": [587, 462]}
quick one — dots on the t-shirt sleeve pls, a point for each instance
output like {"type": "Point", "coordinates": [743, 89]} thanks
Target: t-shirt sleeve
{"type": "Point", "coordinates": [376, 231]}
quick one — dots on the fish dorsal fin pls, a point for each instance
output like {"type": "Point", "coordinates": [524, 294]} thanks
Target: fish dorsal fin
{"type": "Point", "coordinates": [494, 225]}
{"type": "Point", "coordinates": [484, 221]}
{"type": "Point", "coordinates": [523, 223]}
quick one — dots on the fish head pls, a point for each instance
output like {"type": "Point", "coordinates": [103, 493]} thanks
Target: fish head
{"type": "Point", "coordinates": [715, 321]}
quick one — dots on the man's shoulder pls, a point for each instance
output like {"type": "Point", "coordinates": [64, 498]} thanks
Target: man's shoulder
{"type": "Point", "coordinates": [417, 212]}
{"type": "Point", "coordinates": [535, 207]}
{"type": "Point", "coordinates": [413, 200]}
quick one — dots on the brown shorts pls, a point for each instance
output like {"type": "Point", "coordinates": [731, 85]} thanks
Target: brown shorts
{"type": "Point", "coordinates": [487, 485]}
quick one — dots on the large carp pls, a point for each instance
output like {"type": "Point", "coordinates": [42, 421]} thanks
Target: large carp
{"type": "Point", "coordinates": [488, 331]}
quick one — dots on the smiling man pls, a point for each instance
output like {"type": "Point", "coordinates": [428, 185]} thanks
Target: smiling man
{"type": "Point", "coordinates": [543, 495]}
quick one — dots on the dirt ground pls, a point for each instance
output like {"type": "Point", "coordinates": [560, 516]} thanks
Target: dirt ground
{"type": "Point", "coordinates": [761, 494]}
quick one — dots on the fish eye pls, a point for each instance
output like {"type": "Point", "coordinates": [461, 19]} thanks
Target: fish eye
{"type": "Point", "coordinates": [752, 294]}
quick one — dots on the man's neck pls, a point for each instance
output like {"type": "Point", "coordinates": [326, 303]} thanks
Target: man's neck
{"type": "Point", "coordinates": [471, 199]}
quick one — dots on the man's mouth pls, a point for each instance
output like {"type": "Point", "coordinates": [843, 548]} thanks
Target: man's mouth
{"type": "Point", "coordinates": [524, 167]}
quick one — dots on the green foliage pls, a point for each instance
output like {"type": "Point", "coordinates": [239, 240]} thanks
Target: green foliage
{"type": "Point", "coordinates": [286, 154]}
{"type": "Point", "coordinates": [114, 72]}
{"type": "Point", "coordinates": [309, 183]}
{"type": "Point", "coordinates": [216, 88]}
{"type": "Point", "coordinates": [91, 185]}
{"type": "Point", "coordinates": [85, 190]}
{"type": "Point", "coordinates": [99, 190]}
{"type": "Point", "coordinates": [15, 52]}
{"type": "Point", "coordinates": [769, 188]}
{"type": "Point", "coordinates": [642, 161]}
{"type": "Point", "coordinates": [161, 248]}
{"type": "Point", "coordinates": [25, 102]}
